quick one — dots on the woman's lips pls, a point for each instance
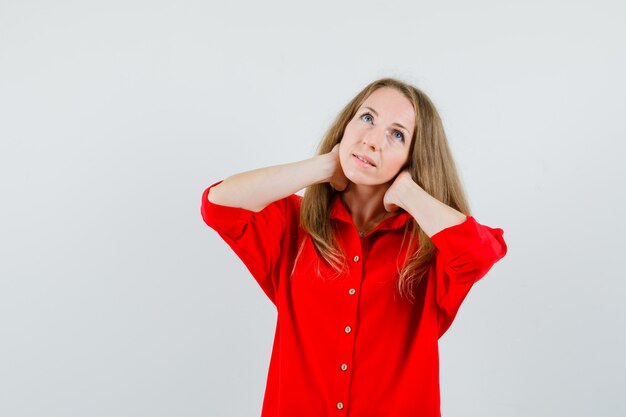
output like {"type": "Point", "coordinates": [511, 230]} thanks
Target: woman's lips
{"type": "Point", "coordinates": [362, 162]}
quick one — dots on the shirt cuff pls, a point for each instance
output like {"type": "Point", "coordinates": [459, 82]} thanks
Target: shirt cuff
{"type": "Point", "coordinates": [223, 219]}
{"type": "Point", "coordinates": [465, 236]}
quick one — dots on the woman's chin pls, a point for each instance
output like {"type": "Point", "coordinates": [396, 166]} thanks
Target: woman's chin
{"type": "Point", "coordinates": [359, 180]}
{"type": "Point", "coordinates": [357, 177]}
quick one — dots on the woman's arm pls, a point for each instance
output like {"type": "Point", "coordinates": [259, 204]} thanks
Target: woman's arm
{"type": "Point", "coordinates": [466, 249]}
{"type": "Point", "coordinates": [254, 190]}
{"type": "Point", "coordinates": [252, 210]}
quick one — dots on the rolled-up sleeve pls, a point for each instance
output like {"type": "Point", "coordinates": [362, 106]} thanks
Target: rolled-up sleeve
{"type": "Point", "coordinates": [255, 237]}
{"type": "Point", "coordinates": [465, 253]}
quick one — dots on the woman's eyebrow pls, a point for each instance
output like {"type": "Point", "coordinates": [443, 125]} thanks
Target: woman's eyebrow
{"type": "Point", "coordinates": [394, 123]}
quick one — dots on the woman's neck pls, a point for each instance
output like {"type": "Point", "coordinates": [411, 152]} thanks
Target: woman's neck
{"type": "Point", "coordinates": [365, 204]}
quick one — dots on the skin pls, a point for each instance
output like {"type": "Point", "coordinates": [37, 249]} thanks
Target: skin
{"type": "Point", "coordinates": [369, 193]}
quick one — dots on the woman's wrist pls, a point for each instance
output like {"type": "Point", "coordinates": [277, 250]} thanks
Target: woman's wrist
{"type": "Point", "coordinates": [325, 165]}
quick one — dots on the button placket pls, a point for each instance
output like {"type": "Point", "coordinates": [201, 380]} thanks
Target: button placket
{"type": "Point", "coordinates": [348, 348]}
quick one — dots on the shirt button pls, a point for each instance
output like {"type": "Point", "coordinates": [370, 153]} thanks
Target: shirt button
{"type": "Point", "coordinates": [344, 366]}
{"type": "Point", "coordinates": [340, 406]}
{"type": "Point", "coordinates": [351, 291]}
{"type": "Point", "coordinates": [356, 258]}
{"type": "Point", "coordinates": [348, 329]}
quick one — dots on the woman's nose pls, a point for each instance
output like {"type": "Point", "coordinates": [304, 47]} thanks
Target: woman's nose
{"type": "Point", "coordinates": [375, 138]}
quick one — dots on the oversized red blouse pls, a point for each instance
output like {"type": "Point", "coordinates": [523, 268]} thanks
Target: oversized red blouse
{"type": "Point", "coordinates": [350, 346]}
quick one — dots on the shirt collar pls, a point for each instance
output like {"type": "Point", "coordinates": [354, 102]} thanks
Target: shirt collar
{"type": "Point", "coordinates": [339, 211]}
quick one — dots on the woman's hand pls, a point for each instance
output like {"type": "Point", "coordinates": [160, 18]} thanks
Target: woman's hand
{"type": "Point", "coordinates": [392, 200]}
{"type": "Point", "coordinates": [338, 181]}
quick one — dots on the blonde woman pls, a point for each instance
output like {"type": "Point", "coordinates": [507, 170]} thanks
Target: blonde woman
{"type": "Point", "coordinates": [367, 270]}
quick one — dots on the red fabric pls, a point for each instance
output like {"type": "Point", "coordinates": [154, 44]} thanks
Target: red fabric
{"type": "Point", "coordinates": [387, 363]}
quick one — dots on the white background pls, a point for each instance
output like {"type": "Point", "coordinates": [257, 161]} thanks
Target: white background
{"type": "Point", "coordinates": [117, 300]}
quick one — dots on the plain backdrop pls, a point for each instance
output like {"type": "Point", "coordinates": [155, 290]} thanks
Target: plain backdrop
{"type": "Point", "coordinates": [117, 300]}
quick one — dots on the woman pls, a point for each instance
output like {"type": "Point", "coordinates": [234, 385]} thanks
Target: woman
{"type": "Point", "coordinates": [368, 269]}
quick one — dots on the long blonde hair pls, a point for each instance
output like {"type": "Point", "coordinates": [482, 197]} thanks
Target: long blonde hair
{"type": "Point", "coordinates": [431, 166]}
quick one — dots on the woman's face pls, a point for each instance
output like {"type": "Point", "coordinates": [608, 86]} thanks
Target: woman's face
{"type": "Point", "coordinates": [381, 130]}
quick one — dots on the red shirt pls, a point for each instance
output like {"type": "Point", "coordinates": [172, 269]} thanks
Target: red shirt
{"type": "Point", "coordinates": [351, 346]}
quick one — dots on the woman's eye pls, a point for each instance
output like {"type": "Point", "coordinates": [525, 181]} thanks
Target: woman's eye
{"type": "Point", "coordinates": [366, 114]}
{"type": "Point", "coordinates": [401, 135]}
